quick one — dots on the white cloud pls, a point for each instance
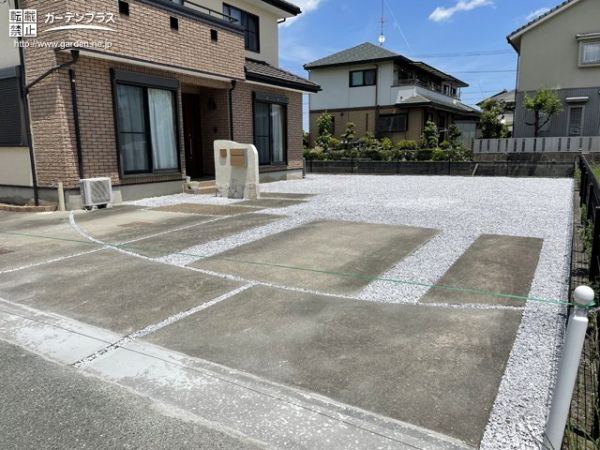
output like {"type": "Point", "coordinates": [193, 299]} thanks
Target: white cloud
{"type": "Point", "coordinates": [306, 6]}
{"type": "Point", "coordinates": [441, 13]}
{"type": "Point", "coordinates": [537, 13]}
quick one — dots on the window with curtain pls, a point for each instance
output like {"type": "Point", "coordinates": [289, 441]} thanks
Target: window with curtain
{"type": "Point", "coordinates": [590, 53]}
{"type": "Point", "coordinates": [270, 132]}
{"type": "Point", "coordinates": [250, 24]}
{"type": "Point", "coordinates": [162, 129]}
{"type": "Point", "coordinates": [147, 129]}
{"type": "Point", "coordinates": [132, 129]}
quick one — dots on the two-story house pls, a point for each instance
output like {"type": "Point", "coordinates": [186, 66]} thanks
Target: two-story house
{"type": "Point", "coordinates": [141, 96]}
{"type": "Point", "coordinates": [560, 50]}
{"type": "Point", "coordinates": [386, 93]}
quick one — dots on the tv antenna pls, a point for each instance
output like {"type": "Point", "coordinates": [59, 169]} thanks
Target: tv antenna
{"type": "Point", "coordinates": [382, 23]}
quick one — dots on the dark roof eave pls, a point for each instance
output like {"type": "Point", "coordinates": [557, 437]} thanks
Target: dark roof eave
{"type": "Point", "coordinates": [353, 63]}
{"type": "Point", "coordinates": [285, 6]}
{"type": "Point", "coordinates": [438, 106]}
{"type": "Point", "coordinates": [282, 83]}
{"type": "Point", "coordinates": [446, 76]}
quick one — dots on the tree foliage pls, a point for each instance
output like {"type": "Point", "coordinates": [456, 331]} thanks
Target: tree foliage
{"type": "Point", "coordinates": [431, 134]}
{"type": "Point", "coordinates": [490, 122]}
{"type": "Point", "coordinates": [544, 104]}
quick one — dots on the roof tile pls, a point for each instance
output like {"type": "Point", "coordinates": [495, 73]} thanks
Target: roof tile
{"type": "Point", "coordinates": [260, 69]}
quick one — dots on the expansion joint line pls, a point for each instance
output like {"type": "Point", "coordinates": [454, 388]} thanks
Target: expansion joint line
{"type": "Point", "coordinates": [159, 325]}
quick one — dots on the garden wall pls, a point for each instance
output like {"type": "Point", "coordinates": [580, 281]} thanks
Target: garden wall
{"type": "Point", "coordinates": [498, 169]}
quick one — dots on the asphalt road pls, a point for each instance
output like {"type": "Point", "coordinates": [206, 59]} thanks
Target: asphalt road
{"type": "Point", "coordinates": [48, 406]}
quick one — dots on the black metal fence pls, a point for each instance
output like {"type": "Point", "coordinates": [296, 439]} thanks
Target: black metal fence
{"type": "Point", "coordinates": [589, 192]}
{"type": "Point", "coordinates": [583, 430]}
{"type": "Point", "coordinates": [487, 168]}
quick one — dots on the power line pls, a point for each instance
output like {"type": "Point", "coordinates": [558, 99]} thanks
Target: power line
{"type": "Point", "coordinates": [462, 54]}
{"type": "Point", "coordinates": [484, 71]}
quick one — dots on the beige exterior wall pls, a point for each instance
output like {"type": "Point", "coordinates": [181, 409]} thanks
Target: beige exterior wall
{"type": "Point", "coordinates": [550, 51]}
{"type": "Point", "coordinates": [15, 166]}
{"type": "Point", "coordinates": [269, 32]}
{"type": "Point", "coordinates": [365, 121]}
{"type": "Point", "coordinates": [9, 55]}
{"type": "Point", "coordinates": [336, 92]}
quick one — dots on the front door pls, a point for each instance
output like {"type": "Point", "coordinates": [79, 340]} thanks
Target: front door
{"type": "Point", "coordinates": [192, 135]}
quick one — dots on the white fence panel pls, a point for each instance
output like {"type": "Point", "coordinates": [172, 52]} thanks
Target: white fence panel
{"type": "Point", "coordinates": [585, 144]}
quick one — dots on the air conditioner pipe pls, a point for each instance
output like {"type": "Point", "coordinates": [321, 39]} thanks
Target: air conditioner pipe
{"type": "Point", "coordinates": [74, 59]}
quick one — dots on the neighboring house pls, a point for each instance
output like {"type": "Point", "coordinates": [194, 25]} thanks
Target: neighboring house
{"type": "Point", "coordinates": [560, 50]}
{"type": "Point", "coordinates": [145, 110]}
{"type": "Point", "coordinates": [386, 93]}
{"type": "Point", "coordinates": [507, 99]}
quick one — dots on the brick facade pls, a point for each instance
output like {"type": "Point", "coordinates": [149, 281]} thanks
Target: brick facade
{"type": "Point", "coordinates": [52, 118]}
{"type": "Point", "coordinates": [244, 125]}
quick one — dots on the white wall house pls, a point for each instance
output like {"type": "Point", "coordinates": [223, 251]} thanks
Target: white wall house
{"type": "Point", "coordinates": [385, 93]}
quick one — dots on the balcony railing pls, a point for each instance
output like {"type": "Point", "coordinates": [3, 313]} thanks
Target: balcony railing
{"type": "Point", "coordinates": [196, 10]}
{"type": "Point", "coordinates": [416, 82]}
{"type": "Point", "coordinates": [205, 10]}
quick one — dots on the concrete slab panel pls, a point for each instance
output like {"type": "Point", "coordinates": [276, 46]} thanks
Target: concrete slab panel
{"type": "Point", "coordinates": [285, 195]}
{"type": "Point", "coordinates": [30, 245]}
{"type": "Point", "coordinates": [19, 221]}
{"type": "Point", "coordinates": [494, 264]}
{"type": "Point", "coordinates": [203, 233]}
{"type": "Point", "coordinates": [271, 202]}
{"type": "Point", "coordinates": [336, 257]}
{"type": "Point", "coordinates": [121, 224]}
{"type": "Point", "coordinates": [211, 210]}
{"type": "Point", "coordinates": [112, 290]}
{"type": "Point", "coordinates": [437, 368]}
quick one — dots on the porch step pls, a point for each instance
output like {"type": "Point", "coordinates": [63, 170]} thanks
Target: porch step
{"type": "Point", "coordinates": [202, 190]}
{"type": "Point", "coordinates": [207, 183]}
{"type": "Point", "coordinates": [206, 187]}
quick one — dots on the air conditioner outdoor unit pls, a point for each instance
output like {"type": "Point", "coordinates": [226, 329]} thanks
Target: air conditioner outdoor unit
{"type": "Point", "coordinates": [95, 192]}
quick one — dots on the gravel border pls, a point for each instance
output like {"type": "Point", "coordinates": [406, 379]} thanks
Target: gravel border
{"type": "Point", "coordinates": [462, 208]}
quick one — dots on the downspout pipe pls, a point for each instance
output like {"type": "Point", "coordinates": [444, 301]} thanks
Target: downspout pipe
{"type": "Point", "coordinates": [76, 123]}
{"type": "Point", "coordinates": [233, 85]}
{"type": "Point", "coordinates": [25, 100]}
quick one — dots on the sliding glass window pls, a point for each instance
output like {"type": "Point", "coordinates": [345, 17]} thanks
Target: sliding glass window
{"type": "Point", "coordinates": [147, 129]}
{"type": "Point", "coordinates": [270, 132]}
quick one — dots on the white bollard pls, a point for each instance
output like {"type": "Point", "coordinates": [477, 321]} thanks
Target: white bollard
{"type": "Point", "coordinates": [60, 191]}
{"type": "Point", "coordinates": [567, 369]}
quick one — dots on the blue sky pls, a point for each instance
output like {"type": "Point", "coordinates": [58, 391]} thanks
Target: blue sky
{"type": "Point", "coordinates": [417, 29]}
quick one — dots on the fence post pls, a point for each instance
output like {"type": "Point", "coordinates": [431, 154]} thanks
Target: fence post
{"type": "Point", "coordinates": [568, 368]}
{"type": "Point", "coordinates": [594, 269]}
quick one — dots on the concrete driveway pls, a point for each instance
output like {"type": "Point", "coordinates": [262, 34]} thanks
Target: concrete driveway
{"type": "Point", "coordinates": [252, 317]}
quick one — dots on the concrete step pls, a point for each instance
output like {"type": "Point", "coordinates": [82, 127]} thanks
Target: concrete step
{"type": "Point", "coordinates": [207, 190]}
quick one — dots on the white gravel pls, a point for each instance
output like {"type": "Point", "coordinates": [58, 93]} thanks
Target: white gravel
{"type": "Point", "coordinates": [175, 199]}
{"type": "Point", "coordinates": [461, 208]}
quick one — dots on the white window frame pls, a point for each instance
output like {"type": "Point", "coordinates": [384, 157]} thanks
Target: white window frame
{"type": "Point", "coordinates": [582, 45]}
